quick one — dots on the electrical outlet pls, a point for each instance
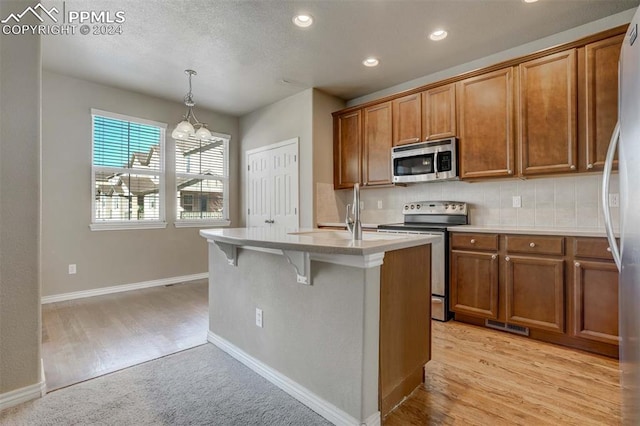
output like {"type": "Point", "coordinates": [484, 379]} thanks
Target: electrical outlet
{"type": "Point", "coordinates": [259, 317]}
{"type": "Point", "coordinates": [614, 200]}
{"type": "Point", "coordinates": [379, 204]}
{"type": "Point", "coordinates": [516, 201]}
{"type": "Point", "coordinates": [72, 268]}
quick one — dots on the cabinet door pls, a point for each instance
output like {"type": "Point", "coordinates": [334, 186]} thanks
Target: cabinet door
{"type": "Point", "coordinates": [407, 119]}
{"type": "Point", "coordinates": [548, 115]}
{"type": "Point", "coordinates": [535, 292]}
{"type": "Point", "coordinates": [474, 283]}
{"type": "Point", "coordinates": [347, 150]}
{"type": "Point", "coordinates": [485, 110]}
{"type": "Point", "coordinates": [376, 159]}
{"type": "Point", "coordinates": [600, 98]}
{"type": "Point", "coordinates": [595, 309]}
{"type": "Point", "coordinates": [439, 117]}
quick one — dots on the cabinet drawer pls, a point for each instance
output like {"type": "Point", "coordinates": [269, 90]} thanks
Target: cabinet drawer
{"type": "Point", "coordinates": [535, 244]}
{"type": "Point", "coordinates": [597, 248]}
{"type": "Point", "coordinates": [474, 241]}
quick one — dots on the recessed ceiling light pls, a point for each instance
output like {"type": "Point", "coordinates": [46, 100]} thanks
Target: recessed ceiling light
{"type": "Point", "coordinates": [438, 35]}
{"type": "Point", "coordinates": [370, 62]}
{"type": "Point", "coordinates": [529, 1]}
{"type": "Point", "coordinates": [303, 21]}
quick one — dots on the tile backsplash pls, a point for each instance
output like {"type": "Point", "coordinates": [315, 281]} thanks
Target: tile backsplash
{"type": "Point", "coordinates": [573, 201]}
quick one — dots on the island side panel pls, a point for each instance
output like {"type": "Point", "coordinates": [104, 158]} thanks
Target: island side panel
{"type": "Point", "coordinates": [323, 336]}
{"type": "Point", "coordinates": [405, 323]}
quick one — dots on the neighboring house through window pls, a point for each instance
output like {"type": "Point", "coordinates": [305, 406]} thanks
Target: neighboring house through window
{"type": "Point", "coordinates": [202, 181]}
{"type": "Point", "coordinates": [127, 172]}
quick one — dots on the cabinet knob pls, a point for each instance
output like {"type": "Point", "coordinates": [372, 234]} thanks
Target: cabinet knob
{"type": "Point", "coordinates": [510, 171]}
{"type": "Point", "coordinates": [494, 256]}
{"type": "Point", "coordinates": [577, 264]}
{"type": "Point", "coordinates": [609, 249]}
{"type": "Point", "coordinates": [572, 167]}
{"type": "Point", "coordinates": [532, 244]}
{"type": "Point", "coordinates": [589, 166]}
{"type": "Point", "coordinates": [473, 241]}
{"type": "Point", "coordinates": [507, 258]}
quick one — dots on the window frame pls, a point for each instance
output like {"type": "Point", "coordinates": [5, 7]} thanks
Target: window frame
{"type": "Point", "coordinates": [224, 178]}
{"type": "Point", "coordinates": [118, 225]}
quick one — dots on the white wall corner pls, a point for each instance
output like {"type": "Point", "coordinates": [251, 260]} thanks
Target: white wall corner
{"type": "Point", "coordinates": [120, 288]}
{"type": "Point", "coordinates": [18, 396]}
{"type": "Point", "coordinates": [321, 406]}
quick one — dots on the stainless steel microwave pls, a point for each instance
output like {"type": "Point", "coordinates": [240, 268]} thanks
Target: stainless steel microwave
{"type": "Point", "coordinates": [425, 161]}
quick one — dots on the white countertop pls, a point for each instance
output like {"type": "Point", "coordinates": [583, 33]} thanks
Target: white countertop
{"type": "Point", "coordinates": [567, 232]}
{"type": "Point", "coordinates": [316, 240]}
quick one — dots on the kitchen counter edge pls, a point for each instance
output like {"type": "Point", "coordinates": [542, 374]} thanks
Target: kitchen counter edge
{"type": "Point", "coordinates": [288, 240]}
{"type": "Point", "coordinates": [567, 232]}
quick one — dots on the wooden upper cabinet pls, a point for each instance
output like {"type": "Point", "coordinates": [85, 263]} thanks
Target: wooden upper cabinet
{"type": "Point", "coordinates": [486, 117]}
{"type": "Point", "coordinates": [439, 113]}
{"type": "Point", "coordinates": [407, 119]}
{"type": "Point", "coordinates": [598, 99]}
{"type": "Point", "coordinates": [548, 114]}
{"type": "Point", "coordinates": [376, 158]}
{"type": "Point", "coordinates": [347, 141]}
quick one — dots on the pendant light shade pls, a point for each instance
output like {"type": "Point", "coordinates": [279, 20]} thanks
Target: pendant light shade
{"type": "Point", "coordinates": [190, 127]}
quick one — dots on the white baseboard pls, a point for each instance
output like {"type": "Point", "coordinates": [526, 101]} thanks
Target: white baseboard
{"type": "Point", "coordinates": [121, 288]}
{"type": "Point", "coordinates": [18, 396]}
{"type": "Point", "coordinates": [327, 410]}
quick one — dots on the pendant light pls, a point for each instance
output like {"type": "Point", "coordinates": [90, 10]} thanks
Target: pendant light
{"type": "Point", "coordinates": [190, 127]}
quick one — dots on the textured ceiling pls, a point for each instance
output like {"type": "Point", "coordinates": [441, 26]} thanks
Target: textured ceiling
{"type": "Point", "coordinates": [242, 50]}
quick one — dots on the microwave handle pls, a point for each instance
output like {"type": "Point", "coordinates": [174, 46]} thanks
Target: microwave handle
{"type": "Point", "coordinates": [435, 162]}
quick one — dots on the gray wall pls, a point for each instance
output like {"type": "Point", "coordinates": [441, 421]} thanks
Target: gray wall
{"type": "Point", "coordinates": [306, 115]}
{"type": "Point", "coordinates": [108, 258]}
{"type": "Point", "coordinates": [323, 106]}
{"type": "Point", "coordinates": [286, 119]}
{"type": "Point", "coordinates": [19, 207]}
{"type": "Point", "coordinates": [323, 336]}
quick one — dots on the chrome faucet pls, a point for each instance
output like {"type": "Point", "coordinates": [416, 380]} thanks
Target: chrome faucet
{"type": "Point", "coordinates": [353, 223]}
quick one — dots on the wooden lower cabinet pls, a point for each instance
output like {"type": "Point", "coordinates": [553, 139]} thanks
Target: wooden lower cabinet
{"type": "Point", "coordinates": [474, 283]}
{"type": "Point", "coordinates": [595, 299]}
{"type": "Point", "coordinates": [564, 290]}
{"type": "Point", "coordinates": [535, 292]}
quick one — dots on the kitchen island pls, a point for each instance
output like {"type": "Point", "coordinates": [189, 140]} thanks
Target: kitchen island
{"type": "Point", "coordinates": [341, 325]}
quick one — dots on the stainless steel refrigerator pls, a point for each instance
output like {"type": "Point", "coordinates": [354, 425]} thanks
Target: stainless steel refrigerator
{"type": "Point", "coordinates": [627, 257]}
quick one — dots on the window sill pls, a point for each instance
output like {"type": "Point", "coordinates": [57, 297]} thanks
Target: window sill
{"type": "Point", "coordinates": [126, 226]}
{"type": "Point", "coordinates": [201, 223]}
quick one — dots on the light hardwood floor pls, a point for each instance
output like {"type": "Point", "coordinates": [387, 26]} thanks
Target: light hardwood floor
{"type": "Point", "coordinates": [86, 338]}
{"type": "Point", "coordinates": [485, 377]}
{"type": "Point", "coordinates": [476, 377]}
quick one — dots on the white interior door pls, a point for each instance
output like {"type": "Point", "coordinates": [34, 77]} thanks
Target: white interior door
{"type": "Point", "coordinates": [272, 180]}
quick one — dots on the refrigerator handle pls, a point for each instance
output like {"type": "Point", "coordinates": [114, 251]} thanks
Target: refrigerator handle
{"type": "Point", "coordinates": [606, 175]}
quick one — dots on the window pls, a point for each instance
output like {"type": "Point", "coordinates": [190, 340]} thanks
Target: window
{"type": "Point", "coordinates": [127, 172]}
{"type": "Point", "coordinates": [202, 181]}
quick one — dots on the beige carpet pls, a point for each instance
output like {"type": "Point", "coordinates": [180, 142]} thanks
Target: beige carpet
{"type": "Point", "coordinates": [199, 386]}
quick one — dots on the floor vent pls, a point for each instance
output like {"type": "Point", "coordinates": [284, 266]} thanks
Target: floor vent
{"type": "Point", "coordinates": [516, 329]}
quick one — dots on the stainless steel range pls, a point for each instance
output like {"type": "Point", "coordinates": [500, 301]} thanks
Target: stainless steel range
{"type": "Point", "coordinates": [433, 217]}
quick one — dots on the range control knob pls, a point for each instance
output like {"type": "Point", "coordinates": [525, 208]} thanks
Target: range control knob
{"type": "Point", "coordinates": [413, 206]}
{"type": "Point", "coordinates": [453, 206]}
{"type": "Point", "coordinates": [418, 206]}
{"type": "Point", "coordinates": [406, 206]}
